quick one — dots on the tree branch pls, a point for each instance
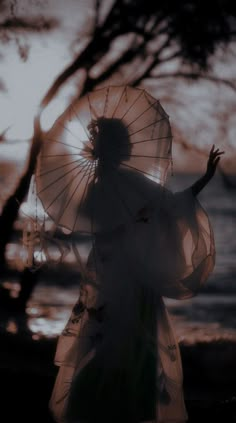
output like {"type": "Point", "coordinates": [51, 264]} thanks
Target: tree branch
{"type": "Point", "coordinates": [127, 57]}
{"type": "Point", "coordinates": [153, 63]}
{"type": "Point", "coordinates": [98, 46]}
{"type": "Point", "coordinates": [195, 76]}
{"type": "Point", "coordinates": [28, 24]}
{"type": "Point", "coordinates": [172, 56]}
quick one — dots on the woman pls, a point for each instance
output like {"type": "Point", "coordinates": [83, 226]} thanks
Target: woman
{"type": "Point", "coordinates": [119, 360]}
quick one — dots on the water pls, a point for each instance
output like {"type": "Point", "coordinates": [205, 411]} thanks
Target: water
{"type": "Point", "coordinates": [206, 317]}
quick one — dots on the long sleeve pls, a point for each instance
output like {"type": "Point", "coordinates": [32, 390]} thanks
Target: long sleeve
{"type": "Point", "coordinates": [172, 251]}
{"type": "Point", "coordinates": [196, 250]}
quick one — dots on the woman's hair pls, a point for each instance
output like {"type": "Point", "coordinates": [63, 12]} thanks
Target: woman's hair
{"type": "Point", "coordinates": [111, 141]}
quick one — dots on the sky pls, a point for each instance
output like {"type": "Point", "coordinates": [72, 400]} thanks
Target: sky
{"type": "Point", "coordinates": [198, 110]}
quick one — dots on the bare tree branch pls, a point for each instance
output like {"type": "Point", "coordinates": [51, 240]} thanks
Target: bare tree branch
{"type": "Point", "coordinates": [3, 134]}
{"type": "Point", "coordinates": [81, 61]}
{"type": "Point", "coordinates": [97, 47]}
{"type": "Point", "coordinates": [124, 59]}
{"type": "Point", "coordinates": [2, 86]}
{"type": "Point", "coordinates": [172, 56]}
{"type": "Point", "coordinates": [28, 24]}
{"type": "Point", "coordinates": [195, 76]}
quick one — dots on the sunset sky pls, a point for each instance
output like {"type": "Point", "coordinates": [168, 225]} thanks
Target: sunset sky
{"type": "Point", "coordinates": [201, 111]}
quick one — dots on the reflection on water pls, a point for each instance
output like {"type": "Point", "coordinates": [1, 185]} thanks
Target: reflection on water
{"type": "Point", "coordinates": [12, 287]}
{"type": "Point", "coordinates": [11, 326]}
{"type": "Point", "coordinates": [49, 309]}
{"type": "Point", "coordinates": [205, 318]}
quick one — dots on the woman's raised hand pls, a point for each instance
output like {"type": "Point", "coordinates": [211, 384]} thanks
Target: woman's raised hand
{"type": "Point", "coordinates": [213, 160]}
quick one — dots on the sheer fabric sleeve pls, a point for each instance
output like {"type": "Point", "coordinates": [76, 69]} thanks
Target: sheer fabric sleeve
{"type": "Point", "coordinates": [171, 250]}
{"type": "Point", "coordinates": [194, 240]}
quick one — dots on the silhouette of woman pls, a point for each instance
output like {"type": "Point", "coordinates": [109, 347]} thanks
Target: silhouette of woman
{"type": "Point", "coordinates": [118, 357]}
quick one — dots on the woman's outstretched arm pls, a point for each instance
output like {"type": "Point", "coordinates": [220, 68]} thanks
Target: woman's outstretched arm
{"type": "Point", "coordinates": [213, 160]}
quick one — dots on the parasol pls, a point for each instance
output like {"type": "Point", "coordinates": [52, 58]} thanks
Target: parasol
{"type": "Point", "coordinates": [103, 159]}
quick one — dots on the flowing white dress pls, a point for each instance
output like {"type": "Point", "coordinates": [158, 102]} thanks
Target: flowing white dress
{"type": "Point", "coordinates": [118, 357]}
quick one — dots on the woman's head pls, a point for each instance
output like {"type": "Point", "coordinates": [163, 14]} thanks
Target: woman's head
{"type": "Point", "coordinates": [110, 139]}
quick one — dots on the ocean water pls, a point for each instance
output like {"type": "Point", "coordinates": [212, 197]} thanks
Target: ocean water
{"type": "Point", "coordinates": [211, 315]}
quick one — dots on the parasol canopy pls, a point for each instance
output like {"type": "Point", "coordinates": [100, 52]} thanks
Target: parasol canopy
{"type": "Point", "coordinates": [103, 158]}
